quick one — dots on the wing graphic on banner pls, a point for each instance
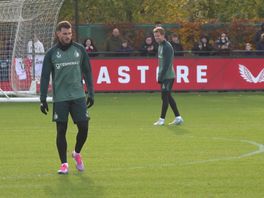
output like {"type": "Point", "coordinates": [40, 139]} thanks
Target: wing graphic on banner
{"type": "Point", "coordinates": [247, 75]}
{"type": "Point", "coordinates": [261, 76]}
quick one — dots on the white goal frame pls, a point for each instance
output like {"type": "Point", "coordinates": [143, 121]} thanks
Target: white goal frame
{"type": "Point", "coordinates": [28, 18]}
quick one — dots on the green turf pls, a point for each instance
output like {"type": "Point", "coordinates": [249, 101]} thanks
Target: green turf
{"type": "Point", "coordinates": [126, 156]}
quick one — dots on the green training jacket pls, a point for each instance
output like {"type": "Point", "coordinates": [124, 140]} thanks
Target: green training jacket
{"type": "Point", "coordinates": [166, 56]}
{"type": "Point", "coordinates": [67, 67]}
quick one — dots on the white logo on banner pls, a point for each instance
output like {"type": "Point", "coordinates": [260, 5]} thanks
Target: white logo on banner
{"type": "Point", "coordinates": [248, 76]}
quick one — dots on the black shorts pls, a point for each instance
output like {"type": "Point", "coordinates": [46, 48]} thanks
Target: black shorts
{"type": "Point", "coordinates": [77, 109]}
{"type": "Point", "coordinates": [166, 85]}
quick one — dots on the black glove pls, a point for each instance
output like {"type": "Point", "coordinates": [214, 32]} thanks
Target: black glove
{"type": "Point", "coordinates": [159, 81]}
{"type": "Point", "coordinates": [44, 107]}
{"type": "Point", "coordinates": [89, 102]}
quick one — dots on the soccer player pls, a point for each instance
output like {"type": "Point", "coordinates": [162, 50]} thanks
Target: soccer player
{"type": "Point", "coordinates": [67, 62]}
{"type": "Point", "coordinates": [166, 76]}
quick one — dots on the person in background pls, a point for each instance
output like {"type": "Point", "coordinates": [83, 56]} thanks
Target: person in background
{"type": "Point", "coordinates": [177, 47]}
{"type": "Point", "coordinates": [113, 43]}
{"type": "Point", "coordinates": [260, 45]}
{"type": "Point", "coordinates": [38, 46]}
{"type": "Point", "coordinates": [38, 56]}
{"type": "Point", "coordinates": [223, 44]}
{"type": "Point", "coordinates": [248, 49]}
{"type": "Point", "coordinates": [257, 36]}
{"type": "Point", "coordinates": [125, 48]}
{"type": "Point", "coordinates": [148, 48]}
{"type": "Point", "coordinates": [166, 77]}
{"type": "Point", "coordinates": [90, 47]}
{"type": "Point", "coordinates": [203, 47]}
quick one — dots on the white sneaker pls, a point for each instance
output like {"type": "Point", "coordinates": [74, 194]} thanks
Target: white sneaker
{"type": "Point", "coordinates": [160, 122]}
{"type": "Point", "coordinates": [177, 121]}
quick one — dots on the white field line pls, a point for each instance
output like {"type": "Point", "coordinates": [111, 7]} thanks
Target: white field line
{"type": "Point", "coordinates": [259, 150]}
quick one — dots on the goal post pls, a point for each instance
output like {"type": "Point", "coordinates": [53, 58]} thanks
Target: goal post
{"type": "Point", "coordinates": [26, 31]}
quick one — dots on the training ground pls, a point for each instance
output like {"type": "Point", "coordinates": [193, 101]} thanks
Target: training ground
{"type": "Point", "coordinates": [217, 152]}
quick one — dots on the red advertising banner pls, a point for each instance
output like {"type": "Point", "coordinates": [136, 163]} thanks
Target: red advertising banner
{"type": "Point", "coordinates": [191, 74]}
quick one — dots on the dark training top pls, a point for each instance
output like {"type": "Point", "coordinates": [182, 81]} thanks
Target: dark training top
{"type": "Point", "coordinates": [67, 65]}
{"type": "Point", "coordinates": [166, 56]}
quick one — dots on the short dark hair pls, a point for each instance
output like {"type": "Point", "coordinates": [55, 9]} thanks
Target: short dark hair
{"type": "Point", "coordinates": [160, 30]}
{"type": "Point", "coordinates": [63, 24]}
{"type": "Point", "coordinates": [175, 35]}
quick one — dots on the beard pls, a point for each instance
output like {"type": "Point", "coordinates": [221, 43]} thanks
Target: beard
{"type": "Point", "coordinates": [63, 45]}
{"type": "Point", "coordinates": [68, 42]}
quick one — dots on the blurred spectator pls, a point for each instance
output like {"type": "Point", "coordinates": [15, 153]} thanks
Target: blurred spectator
{"type": "Point", "coordinates": [148, 48]}
{"type": "Point", "coordinates": [260, 45]}
{"type": "Point", "coordinates": [113, 43]}
{"type": "Point", "coordinates": [125, 48]}
{"type": "Point", "coordinates": [38, 46]}
{"type": "Point", "coordinates": [90, 47]}
{"type": "Point", "coordinates": [35, 66]}
{"type": "Point", "coordinates": [223, 44]}
{"type": "Point", "coordinates": [257, 36]}
{"type": "Point", "coordinates": [177, 47]}
{"type": "Point", "coordinates": [248, 49]}
{"type": "Point", "coordinates": [203, 47]}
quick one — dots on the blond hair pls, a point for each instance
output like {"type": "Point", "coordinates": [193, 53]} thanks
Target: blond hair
{"type": "Point", "coordinates": [160, 30]}
{"type": "Point", "coordinates": [63, 24]}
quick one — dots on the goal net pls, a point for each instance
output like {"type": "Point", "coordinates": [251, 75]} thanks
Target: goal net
{"type": "Point", "coordinates": [26, 31]}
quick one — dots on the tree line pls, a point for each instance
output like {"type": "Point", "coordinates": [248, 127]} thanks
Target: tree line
{"type": "Point", "coordinates": [169, 11]}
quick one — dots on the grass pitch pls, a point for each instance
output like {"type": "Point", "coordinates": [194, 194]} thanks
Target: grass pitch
{"type": "Point", "coordinates": [218, 152]}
